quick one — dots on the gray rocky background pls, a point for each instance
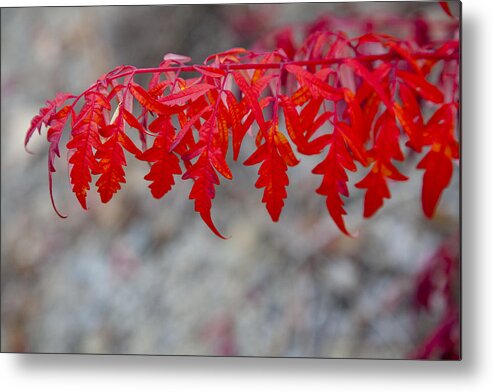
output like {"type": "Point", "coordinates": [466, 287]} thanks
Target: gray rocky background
{"type": "Point", "coordinates": [140, 275]}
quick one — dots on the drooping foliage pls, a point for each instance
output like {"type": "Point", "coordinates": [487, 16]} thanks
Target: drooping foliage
{"type": "Point", "coordinates": [360, 104]}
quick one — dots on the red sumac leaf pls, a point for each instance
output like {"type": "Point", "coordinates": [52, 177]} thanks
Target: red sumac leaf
{"type": "Point", "coordinates": [275, 154]}
{"type": "Point", "coordinates": [438, 173]}
{"type": "Point", "coordinates": [410, 117]}
{"type": "Point", "coordinates": [421, 86]}
{"type": "Point", "coordinates": [373, 80]}
{"type": "Point", "coordinates": [203, 189]}
{"type": "Point", "coordinates": [210, 71]}
{"type": "Point", "coordinates": [189, 94]}
{"type": "Point", "coordinates": [252, 99]}
{"type": "Point", "coordinates": [189, 126]}
{"type": "Point", "coordinates": [45, 115]}
{"type": "Point", "coordinates": [145, 99]}
{"type": "Point", "coordinates": [446, 8]}
{"type": "Point", "coordinates": [164, 164]}
{"type": "Point", "coordinates": [133, 122]}
{"type": "Point", "coordinates": [316, 85]}
{"type": "Point", "coordinates": [85, 139]}
{"type": "Point", "coordinates": [334, 183]}
{"type": "Point", "coordinates": [111, 161]}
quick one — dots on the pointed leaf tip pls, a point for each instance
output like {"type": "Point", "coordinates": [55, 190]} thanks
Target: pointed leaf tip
{"type": "Point", "coordinates": [206, 217]}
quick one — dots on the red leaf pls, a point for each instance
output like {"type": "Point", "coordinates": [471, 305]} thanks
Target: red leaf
{"type": "Point", "coordinates": [446, 8]}
{"type": "Point", "coordinates": [210, 71]}
{"type": "Point", "coordinates": [373, 80]}
{"type": "Point", "coordinates": [189, 94]}
{"type": "Point", "coordinates": [386, 149]}
{"type": "Point", "coordinates": [315, 84]}
{"type": "Point", "coordinates": [111, 161]}
{"type": "Point", "coordinates": [405, 54]}
{"type": "Point", "coordinates": [45, 115]}
{"type": "Point", "coordinates": [205, 178]}
{"type": "Point", "coordinates": [252, 99]}
{"type": "Point", "coordinates": [284, 149]}
{"type": "Point", "coordinates": [410, 117]}
{"type": "Point", "coordinates": [158, 89]}
{"type": "Point", "coordinates": [438, 173]}
{"type": "Point", "coordinates": [210, 153]}
{"type": "Point", "coordinates": [188, 126]}
{"type": "Point", "coordinates": [334, 184]}
{"type": "Point", "coordinates": [308, 114]}
{"type": "Point", "coordinates": [134, 123]}
{"type": "Point", "coordinates": [301, 96]}
{"type": "Point", "coordinates": [377, 191]}
{"type": "Point", "coordinates": [440, 131]}
{"type": "Point", "coordinates": [99, 99]}
{"type": "Point", "coordinates": [85, 139]}
{"type": "Point", "coordinates": [421, 86]}
{"type": "Point", "coordinates": [147, 101]}
{"type": "Point", "coordinates": [230, 55]}
{"type": "Point", "coordinates": [292, 120]}
{"type": "Point", "coordinates": [236, 113]}
{"type": "Point", "coordinates": [165, 164]}
{"type": "Point", "coordinates": [275, 154]}
{"type": "Point", "coordinates": [219, 162]}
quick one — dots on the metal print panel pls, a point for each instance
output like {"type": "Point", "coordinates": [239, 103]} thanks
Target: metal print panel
{"type": "Point", "coordinates": [275, 180]}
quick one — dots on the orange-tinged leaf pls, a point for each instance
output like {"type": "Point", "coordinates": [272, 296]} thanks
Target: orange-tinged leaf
{"type": "Point", "coordinates": [285, 149]}
{"type": "Point", "coordinates": [410, 117]}
{"type": "Point", "coordinates": [291, 119]}
{"type": "Point", "coordinates": [100, 99]}
{"type": "Point", "coordinates": [147, 101]}
{"type": "Point", "coordinates": [189, 94]}
{"type": "Point", "coordinates": [354, 142]}
{"type": "Point", "coordinates": [230, 55]}
{"type": "Point", "coordinates": [301, 96]}
{"type": "Point", "coordinates": [217, 160]}
{"type": "Point", "coordinates": [316, 85]}
{"type": "Point", "coordinates": [158, 89]}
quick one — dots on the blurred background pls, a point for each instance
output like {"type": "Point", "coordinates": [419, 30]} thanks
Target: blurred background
{"type": "Point", "coordinates": [146, 276]}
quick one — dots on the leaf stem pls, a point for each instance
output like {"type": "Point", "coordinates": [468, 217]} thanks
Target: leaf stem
{"type": "Point", "coordinates": [277, 65]}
